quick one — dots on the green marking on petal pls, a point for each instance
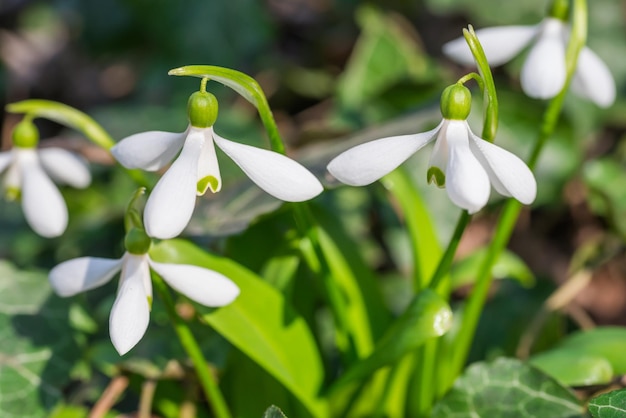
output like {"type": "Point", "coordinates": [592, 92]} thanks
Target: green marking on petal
{"type": "Point", "coordinates": [12, 194]}
{"type": "Point", "coordinates": [437, 176]}
{"type": "Point", "coordinates": [207, 182]}
{"type": "Point", "coordinates": [150, 302]}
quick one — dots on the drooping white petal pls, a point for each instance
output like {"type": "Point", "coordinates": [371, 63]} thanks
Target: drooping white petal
{"type": "Point", "coordinates": [439, 155]}
{"type": "Point", "coordinates": [149, 151]}
{"type": "Point", "coordinates": [508, 174]}
{"type": "Point", "coordinates": [275, 173]}
{"type": "Point", "coordinates": [500, 44]}
{"type": "Point", "coordinates": [543, 73]}
{"type": "Point", "coordinates": [81, 274]}
{"type": "Point", "coordinates": [171, 203]}
{"type": "Point", "coordinates": [368, 162]}
{"type": "Point", "coordinates": [5, 159]}
{"type": "Point", "coordinates": [208, 166]}
{"type": "Point", "coordinates": [130, 314]}
{"type": "Point", "coordinates": [42, 203]}
{"type": "Point", "coordinates": [204, 286]}
{"type": "Point", "coordinates": [65, 167]}
{"type": "Point", "coordinates": [593, 79]}
{"type": "Point", "coordinates": [467, 182]}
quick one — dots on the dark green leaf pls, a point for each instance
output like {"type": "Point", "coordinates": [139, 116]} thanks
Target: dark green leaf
{"type": "Point", "coordinates": [507, 388]}
{"type": "Point", "coordinates": [609, 405]}
{"type": "Point", "coordinates": [273, 412]}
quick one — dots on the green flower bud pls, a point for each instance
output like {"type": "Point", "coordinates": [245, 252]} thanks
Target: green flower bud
{"type": "Point", "coordinates": [25, 134]}
{"type": "Point", "coordinates": [137, 241]}
{"type": "Point", "coordinates": [456, 102]}
{"type": "Point", "coordinates": [560, 10]}
{"type": "Point", "coordinates": [202, 109]}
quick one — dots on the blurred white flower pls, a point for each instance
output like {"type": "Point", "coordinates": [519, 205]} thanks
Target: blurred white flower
{"type": "Point", "coordinates": [171, 203]}
{"type": "Point", "coordinates": [463, 162]}
{"type": "Point", "coordinates": [543, 73]}
{"type": "Point", "coordinates": [130, 314]}
{"type": "Point", "coordinates": [27, 175]}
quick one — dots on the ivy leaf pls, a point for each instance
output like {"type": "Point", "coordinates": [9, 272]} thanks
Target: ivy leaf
{"type": "Point", "coordinates": [38, 348]}
{"type": "Point", "coordinates": [609, 405]}
{"type": "Point", "coordinates": [507, 388]}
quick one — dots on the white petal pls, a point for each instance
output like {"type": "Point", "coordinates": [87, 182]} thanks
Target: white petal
{"type": "Point", "coordinates": [5, 160]}
{"type": "Point", "coordinates": [42, 203]}
{"type": "Point", "coordinates": [509, 175]}
{"type": "Point", "coordinates": [208, 167]}
{"type": "Point", "coordinates": [593, 79]}
{"type": "Point", "coordinates": [204, 286]}
{"type": "Point", "coordinates": [366, 163]}
{"type": "Point", "coordinates": [543, 73]}
{"type": "Point", "coordinates": [149, 151]}
{"type": "Point", "coordinates": [275, 173]}
{"type": "Point", "coordinates": [467, 182]}
{"type": "Point", "coordinates": [500, 44]}
{"type": "Point", "coordinates": [81, 274]}
{"type": "Point", "coordinates": [171, 203]}
{"type": "Point", "coordinates": [65, 167]}
{"type": "Point", "coordinates": [130, 314]}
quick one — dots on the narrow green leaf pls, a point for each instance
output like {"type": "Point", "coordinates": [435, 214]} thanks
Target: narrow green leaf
{"type": "Point", "coordinates": [65, 115]}
{"type": "Point", "coordinates": [246, 86]}
{"type": "Point", "coordinates": [572, 368]}
{"type": "Point", "coordinates": [507, 388]}
{"type": "Point", "coordinates": [609, 405]}
{"type": "Point", "coordinates": [427, 316]}
{"type": "Point", "coordinates": [260, 323]}
{"type": "Point", "coordinates": [507, 266]}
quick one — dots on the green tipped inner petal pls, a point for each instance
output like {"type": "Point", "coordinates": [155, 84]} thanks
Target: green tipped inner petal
{"type": "Point", "coordinates": [207, 182]}
{"type": "Point", "coordinates": [437, 176]}
{"type": "Point", "coordinates": [12, 193]}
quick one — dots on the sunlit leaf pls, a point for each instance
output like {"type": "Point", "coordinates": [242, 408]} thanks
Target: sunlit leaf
{"type": "Point", "coordinates": [572, 368]}
{"type": "Point", "coordinates": [606, 342]}
{"type": "Point", "coordinates": [507, 266]}
{"type": "Point", "coordinates": [507, 388]}
{"type": "Point", "coordinates": [259, 323]}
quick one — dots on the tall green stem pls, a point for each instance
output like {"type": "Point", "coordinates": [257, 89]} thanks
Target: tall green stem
{"type": "Point", "coordinates": [189, 343]}
{"type": "Point", "coordinates": [512, 208]}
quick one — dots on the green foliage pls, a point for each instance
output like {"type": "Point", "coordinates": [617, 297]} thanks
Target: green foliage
{"type": "Point", "coordinates": [609, 405]}
{"type": "Point", "coordinates": [508, 266]}
{"type": "Point", "coordinates": [274, 412]}
{"type": "Point", "coordinates": [507, 388]}
{"type": "Point", "coordinates": [38, 349]}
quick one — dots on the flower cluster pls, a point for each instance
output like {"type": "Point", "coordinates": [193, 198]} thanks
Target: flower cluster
{"type": "Point", "coordinates": [543, 73]}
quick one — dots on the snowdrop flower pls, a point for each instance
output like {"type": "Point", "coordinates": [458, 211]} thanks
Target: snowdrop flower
{"type": "Point", "coordinates": [461, 161]}
{"type": "Point", "coordinates": [543, 73]}
{"type": "Point", "coordinates": [130, 314]}
{"type": "Point", "coordinates": [171, 203]}
{"type": "Point", "coordinates": [27, 176]}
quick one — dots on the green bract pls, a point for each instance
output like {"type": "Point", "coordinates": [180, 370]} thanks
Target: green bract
{"type": "Point", "coordinates": [202, 109]}
{"type": "Point", "coordinates": [137, 241]}
{"type": "Point", "coordinates": [456, 102]}
{"type": "Point", "coordinates": [25, 134]}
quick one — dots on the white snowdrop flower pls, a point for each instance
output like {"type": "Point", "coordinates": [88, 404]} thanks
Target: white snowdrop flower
{"type": "Point", "coordinates": [130, 314]}
{"type": "Point", "coordinates": [28, 173]}
{"type": "Point", "coordinates": [171, 203]}
{"type": "Point", "coordinates": [543, 73]}
{"type": "Point", "coordinates": [461, 161]}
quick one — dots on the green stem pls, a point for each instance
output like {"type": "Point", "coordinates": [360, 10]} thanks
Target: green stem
{"type": "Point", "coordinates": [512, 208]}
{"type": "Point", "coordinates": [446, 260]}
{"type": "Point", "coordinates": [189, 343]}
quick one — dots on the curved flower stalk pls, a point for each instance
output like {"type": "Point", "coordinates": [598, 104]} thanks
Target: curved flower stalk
{"type": "Point", "coordinates": [130, 314]}
{"type": "Point", "coordinates": [196, 169]}
{"type": "Point", "coordinates": [543, 73]}
{"type": "Point", "coordinates": [28, 174]}
{"type": "Point", "coordinates": [461, 161]}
